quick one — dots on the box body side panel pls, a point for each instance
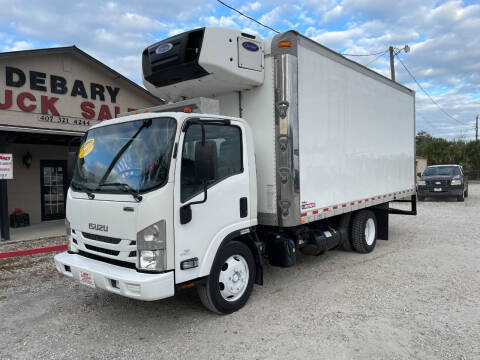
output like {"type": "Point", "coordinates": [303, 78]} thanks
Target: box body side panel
{"type": "Point", "coordinates": [356, 134]}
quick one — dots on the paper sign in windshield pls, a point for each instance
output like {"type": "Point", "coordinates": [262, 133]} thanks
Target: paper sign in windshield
{"type": "Point", "coordinates": [86, 148]}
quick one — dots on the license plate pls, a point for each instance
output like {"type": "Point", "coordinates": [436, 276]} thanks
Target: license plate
{"type": "Point", "coordinates": [86, 279]}
{"type": "Point", "coordinates": [437, 189]}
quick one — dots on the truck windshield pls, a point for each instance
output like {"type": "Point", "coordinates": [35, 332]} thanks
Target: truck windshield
{"type": "Point", "coordinates": [125, 157]}
{"type": "Point", "coordinates": [442, 170]}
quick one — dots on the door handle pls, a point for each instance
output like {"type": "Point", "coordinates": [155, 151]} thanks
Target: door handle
{"type": "Point", "coordinates": [243, 207]}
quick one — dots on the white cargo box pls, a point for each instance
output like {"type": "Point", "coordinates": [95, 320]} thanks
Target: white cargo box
{"type": "Point", "coordinates": [331, 135]}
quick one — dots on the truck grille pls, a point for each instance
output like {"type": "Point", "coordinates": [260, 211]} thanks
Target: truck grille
{"type": "Point", "coordinates": [109, 240]}
{"type": "Point", "coordinates": [102, 250]}
{"type": "Point", "coordinates": [124, 251]}
{"type": "Point", "coordinates": [433, 183]}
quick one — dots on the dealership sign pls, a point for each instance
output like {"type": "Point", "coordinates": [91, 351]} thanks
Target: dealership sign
{"type": "Point", "coordinates": [41, 93]}
{"type": "Point", "coordinates": [6, 166]}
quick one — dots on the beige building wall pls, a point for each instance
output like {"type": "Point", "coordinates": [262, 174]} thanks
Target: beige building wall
{"type": "Point", "coordinates": [71, 66]}
{"type": "Point", "coordinates": [24, 190]}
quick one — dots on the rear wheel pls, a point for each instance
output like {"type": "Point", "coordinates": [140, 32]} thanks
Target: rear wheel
{"type": "Point", "coordinates": [364, 231]}
{"type": "Point", "coordinates": [231, 279]}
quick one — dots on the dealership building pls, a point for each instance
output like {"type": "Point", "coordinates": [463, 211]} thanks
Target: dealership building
{"type": "Point", "coordinates": [48, 99]}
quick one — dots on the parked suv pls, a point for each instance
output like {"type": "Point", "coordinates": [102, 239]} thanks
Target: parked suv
{"type": "Point", "coordinates": [443, 180]}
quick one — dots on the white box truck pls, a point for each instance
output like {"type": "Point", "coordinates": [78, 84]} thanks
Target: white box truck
{"type": "Point", "coordinates": [289, 147]}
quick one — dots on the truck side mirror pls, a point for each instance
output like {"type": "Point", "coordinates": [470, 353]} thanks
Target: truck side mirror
{"type": "Point", "coordinates": [205, 170]}
{"type": "Point", "coordinates": [465, 172]}
{"type": "Point", "coordinates": [419, 174]}
{"type": "Point", "coordinates": [71, 161]}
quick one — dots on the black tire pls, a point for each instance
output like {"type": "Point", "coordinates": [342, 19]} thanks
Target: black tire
{"type": "Point", "coordinates": [421, 198]}
{"type": "Point", "coordinates": [210, 293]}
{"type": "Point", "coordinates": [466, 192]}
{"type": "Point", "coordinates": [359, 224]}
{"type": "Point", "coordinates": [461, 198]}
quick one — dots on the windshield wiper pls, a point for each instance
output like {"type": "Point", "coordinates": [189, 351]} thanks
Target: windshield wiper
{"type": "Point", "coordinates": [146, 124]}
{"type": "Point", "coordinates": [86, 190]}
{"type": "Point", "coordinates": [127, 188]}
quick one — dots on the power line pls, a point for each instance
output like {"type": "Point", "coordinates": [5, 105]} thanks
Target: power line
{"type": "Point", "coordinates": [428, 95]}
{"type": "Point", "coordinates": [373, 54]}
{"type": "Point", "coordinates": [248, 17]}
{"type": "Point", "coordinates": [378, 57]}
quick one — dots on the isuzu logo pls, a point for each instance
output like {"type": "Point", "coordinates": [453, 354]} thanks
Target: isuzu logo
{"type": "Point", "coordinates": [250, 46]}
{"type": "Point", "coordinates": [162, 49]}
{"type": "Point", "coordinates": [98, 227]}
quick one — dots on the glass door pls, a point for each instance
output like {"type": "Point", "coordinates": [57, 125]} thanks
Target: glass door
{"type": "Point", "coordinates": [53, 188]}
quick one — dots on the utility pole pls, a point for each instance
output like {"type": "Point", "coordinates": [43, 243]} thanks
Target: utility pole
{"type": "Point", "coordinates": [392, 63]}
{"type": "Point", "coordinates": [476, 129]}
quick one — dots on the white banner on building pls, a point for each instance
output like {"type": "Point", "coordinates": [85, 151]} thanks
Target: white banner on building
{"type": "Point", "coordinates": [6, 166]}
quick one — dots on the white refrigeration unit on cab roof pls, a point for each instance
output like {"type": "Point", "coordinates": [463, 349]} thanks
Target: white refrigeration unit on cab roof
{"type": "Point", "coordinates": [203, 62]}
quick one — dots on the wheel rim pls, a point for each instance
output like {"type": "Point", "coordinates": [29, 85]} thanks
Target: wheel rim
{"type": "Point", "coordinates": [233, 278]}
{"type": "Point", "coordinates": [370, 231]}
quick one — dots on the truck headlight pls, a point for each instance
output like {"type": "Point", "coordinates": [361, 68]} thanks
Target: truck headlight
{"type": "Point", "coordinates": [151, 245]}
{"type": "Point", "coordinates": [152, 260]}
{"type": "Point", "coordinates": [456, 182]}
{"type": "Point", "coordinates": [421, 182]}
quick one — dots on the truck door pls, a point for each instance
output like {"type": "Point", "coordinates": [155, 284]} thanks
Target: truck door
{"type": "Point", "coordinates": [228, 194]}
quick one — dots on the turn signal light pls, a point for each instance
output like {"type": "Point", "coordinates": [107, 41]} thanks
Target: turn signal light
{"type": "Point", "coordinates": [187, 110]}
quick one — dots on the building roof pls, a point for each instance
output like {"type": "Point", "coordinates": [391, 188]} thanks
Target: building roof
{"type": "Point", "coordinates": [76, 51]}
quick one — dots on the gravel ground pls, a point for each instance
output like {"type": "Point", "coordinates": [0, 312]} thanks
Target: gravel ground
{"type": "Point", "coordinates": [417, 296]}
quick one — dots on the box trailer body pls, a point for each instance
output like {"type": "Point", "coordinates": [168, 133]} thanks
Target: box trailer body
{"type": "Point", "coordinates": [325, 143]}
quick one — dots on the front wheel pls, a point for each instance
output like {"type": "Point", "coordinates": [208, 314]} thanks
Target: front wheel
{"type": "Point", "coordinates": [364, 231]}
{"type": "Point", "coordinates": [231, 279]}
{"type": "Point", "coordinates": [461, 198]}
{"type": "Point", "coordinates": [466, 192]}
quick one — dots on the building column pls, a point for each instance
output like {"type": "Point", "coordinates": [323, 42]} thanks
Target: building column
{"type": "Point", "coordinates": [4, 222]}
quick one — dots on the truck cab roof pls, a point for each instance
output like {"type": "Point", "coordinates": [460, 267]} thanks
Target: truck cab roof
{"type": "Point", "coordinates": [180, 116]}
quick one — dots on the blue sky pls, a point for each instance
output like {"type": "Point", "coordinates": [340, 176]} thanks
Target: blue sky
{"type": "Point", "coordinates": [443, 36]}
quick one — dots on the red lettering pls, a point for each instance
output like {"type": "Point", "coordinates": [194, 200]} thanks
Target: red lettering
{"type": "Point", "coordinates": [130, 109]}
{"type": "Point", "coordinates": [21, 102]}
{"type": "Point", "coordinates": [117, 111]}
{"type": "Point", "coordinates": [8, 100]}
{"type": "Point", "coordinates": [48, 104]}
{"type": "Point", "coordinates": [88, 109]}
{"type": "Point", "coordinates": [104, 113]}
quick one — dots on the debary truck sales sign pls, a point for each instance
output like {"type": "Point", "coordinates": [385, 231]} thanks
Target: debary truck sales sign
{"type": "Point", "coordinates": [66, 90]}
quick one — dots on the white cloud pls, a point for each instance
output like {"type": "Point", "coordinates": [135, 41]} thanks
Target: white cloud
{"type": "Point", "coordinates": [443, 35]}
{"type": "Point", "coordinates": [18, 45]}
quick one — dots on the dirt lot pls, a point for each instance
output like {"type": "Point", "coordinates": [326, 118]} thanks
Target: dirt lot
{"type": "Point", "coordinates": [417, 296]}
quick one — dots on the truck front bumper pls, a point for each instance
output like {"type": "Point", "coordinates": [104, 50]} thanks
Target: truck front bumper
{"type": "Point", "coordinates": [446, 191]}
{"type": "Point", "coordinates": [117, 279]}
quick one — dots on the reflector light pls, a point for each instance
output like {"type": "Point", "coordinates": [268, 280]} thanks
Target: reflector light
{"type": "Point", "coordinates": [187, 110]}
{"type": "Point", "coordinates": [284, 43]}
